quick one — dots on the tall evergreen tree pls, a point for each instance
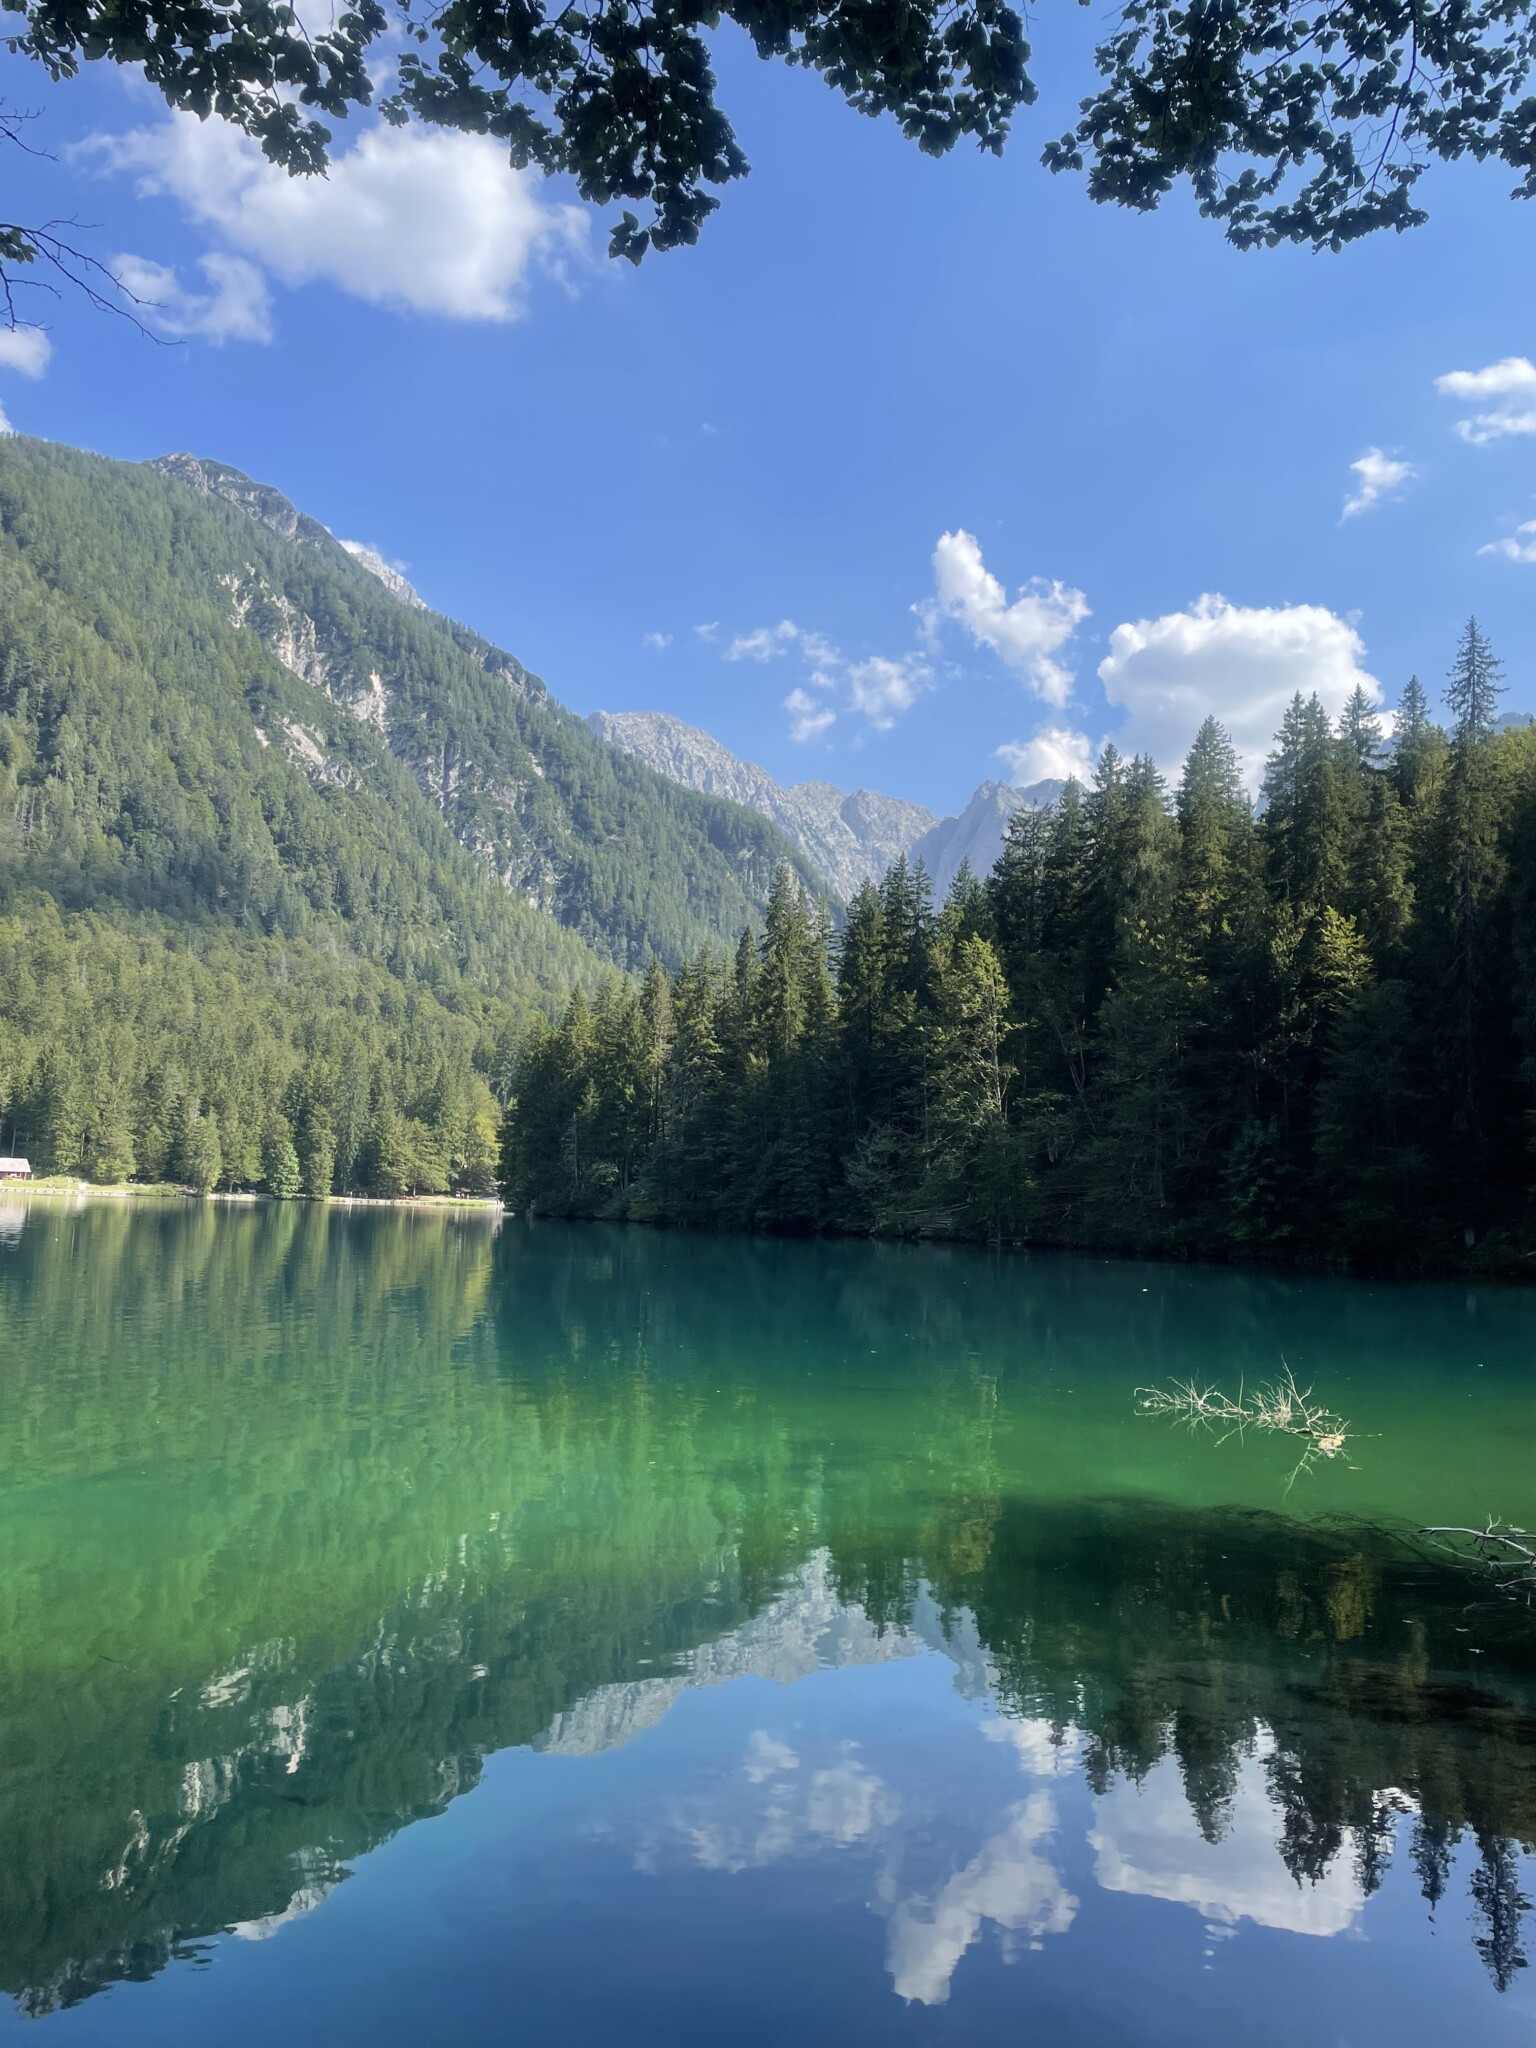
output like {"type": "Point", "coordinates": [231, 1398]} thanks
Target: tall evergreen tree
{"type": "Point", "coordinates": [1472, 863]}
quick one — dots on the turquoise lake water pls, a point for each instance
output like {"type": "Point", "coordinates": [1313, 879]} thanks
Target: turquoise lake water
{"type": "Point", "coordinates": [421, 1628]}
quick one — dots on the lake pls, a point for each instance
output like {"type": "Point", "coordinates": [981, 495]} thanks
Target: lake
{"type": "Point", "coordinates": [419, 1627]}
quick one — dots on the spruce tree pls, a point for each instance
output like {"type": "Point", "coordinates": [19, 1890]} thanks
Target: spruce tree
{"type": "Point", "coordinates": [1472, 694]}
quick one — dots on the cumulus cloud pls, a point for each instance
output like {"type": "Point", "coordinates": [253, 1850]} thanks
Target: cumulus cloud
{"type": "Point", "coordinates": [1009, 1882]}
{"type": "Point", "coordinates": [1240, 664]}
{"type": "Point", "coordinates": [413, 218]}
{"type": "Point", "coordinates": [1055, 754]}
{"type": "Point", "coordinates": [236, 307]}
{"type": "Point", "coordinates": [1378, 476]}
{"type": "Point", "coordinates": [1519, 546]}
{"type": "Point", "coordinates": [1026, 635]}
{"type": "Point", "coordinates": [26, 350]}
{"type": "Point", "coordinates": [658, 642]}
{"type": "Point", "coordinates": [1510, 384]}
{"type": "Point", "coordinates": [1148, 1843]}
{"type": "Point", "coordinates": [809, 718]}
{"type": "Point", "coordinates": [882, 689]}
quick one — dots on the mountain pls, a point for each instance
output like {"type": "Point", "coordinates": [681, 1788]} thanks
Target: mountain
{"type": "Point", "coordinates": [391, 578]}
{"type": "Point", "coordinates": [977, 834]}
{"type": "Point", "coordinates": [848, 839]}
{"type": "Point", "coordinates": [622, 858]}
{"type": "Point", "coordinates": [285, 858]}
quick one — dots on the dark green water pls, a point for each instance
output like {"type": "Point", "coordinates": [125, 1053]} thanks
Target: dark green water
{"type": "Point", "coordinates": [413, 1631]}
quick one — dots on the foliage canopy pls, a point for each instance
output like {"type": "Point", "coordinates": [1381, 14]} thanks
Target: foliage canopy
{"type": "Point", "coordinates": [1293, 120]}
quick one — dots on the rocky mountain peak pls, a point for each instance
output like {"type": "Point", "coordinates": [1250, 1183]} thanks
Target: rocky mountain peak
{"type": "Point", "coordinates": [391, 578]}
{"type": "Point", "coordinates": [219, 480]}
{"type": "Point", "coordinates": [261, 502]}
{"type": "Point", "coordinates": [848, 837]}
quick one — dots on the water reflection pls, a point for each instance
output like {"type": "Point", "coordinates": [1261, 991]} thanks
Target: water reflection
{"type": "Point", "coordinates": [305, 1518]}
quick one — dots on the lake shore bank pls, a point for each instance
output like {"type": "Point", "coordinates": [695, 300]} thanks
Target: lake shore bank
{"type": "Point", "coordinates": [57, 1188]}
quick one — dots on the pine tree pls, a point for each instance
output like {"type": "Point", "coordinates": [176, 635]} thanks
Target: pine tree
{"type": "Point", "coordinates": [199, 1157]}
{"type": "Point", "coordinates": [1360, 731]}
{"type": "Point", "coordinates": [1502, 1906]}
{"type": "Point", "coordinates": [1472, 868]}
{"type": "Point", "coordinates": [1418, 748]}
{"type": "Point", "coordinates": [1473, 690]}
{"type": "Point", "coordinates": [279, 1160]}
{"type": "Point", "coordinates": [969, 1161]}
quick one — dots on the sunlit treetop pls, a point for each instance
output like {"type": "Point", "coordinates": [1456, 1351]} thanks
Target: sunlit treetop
{"type": "Point", "coordinates": [1308, 123]}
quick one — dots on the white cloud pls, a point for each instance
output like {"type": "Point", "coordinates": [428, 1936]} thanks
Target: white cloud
{"type": "Point", "coordinates": [1027, 634]}
{"type": "Point", "coordinates": [1519, 546]}
{"type": "Point", "coordinates": [767, 1756]}
{"type": "Point", "coordinates": [1044, 1749]}
{"type": "Point", "coordinates": [1055, 754]}
{"type": "Point", "coordinates": [1511, 384]}
{"type": "Point", "coordinates": [25, 350]}
{"type": "Point", "coordinates": [768, 643]}
{"type": "Point", "coordinates": [879, 688]}
{"type": "Point", "coordinates": [238, 307]}
{"type": "Point", "coordinates": [1237, 663]}
{"type": "Point", "coordinates": [413, 218]}
{"type": "Point", "coordinates": [847, 1803]}
{"type": "Point", "coordinates": [764, 643]}
{"type": "Point", "coordinates": [883, 689]}
{"type": "Point", "coordinates": [808, 718]}
{"type": "Point", "coordinates": [1378, 476]}
{"type": "Point", "coordinates": [709, 630]}
{"type": "Point", "coordinates": [658, 642]}
{"type": "Point", "coordinates": [1148, 1843]}
{"type": "Point", "coordinates": [1008, 1882]}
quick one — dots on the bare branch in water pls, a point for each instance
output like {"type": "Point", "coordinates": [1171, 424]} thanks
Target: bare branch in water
{"type": "Point", "coordinates": [1499, 1546]}
{"type": "Point", "coordinates": [1278, 1407]}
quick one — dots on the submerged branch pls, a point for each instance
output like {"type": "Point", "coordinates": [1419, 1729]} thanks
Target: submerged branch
{"type": "Point", "coordinates": [1497, 1546]}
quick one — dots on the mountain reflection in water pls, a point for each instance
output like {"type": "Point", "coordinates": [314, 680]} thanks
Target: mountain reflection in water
{"type": "Point", "coordinates": [305, 1518]}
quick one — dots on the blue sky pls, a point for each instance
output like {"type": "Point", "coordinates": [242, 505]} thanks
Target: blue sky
{"type": "Point", "coordinates": [941, 449]}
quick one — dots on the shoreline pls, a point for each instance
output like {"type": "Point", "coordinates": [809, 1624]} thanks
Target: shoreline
{"type": "Point", "coordinates": [168, 1191]}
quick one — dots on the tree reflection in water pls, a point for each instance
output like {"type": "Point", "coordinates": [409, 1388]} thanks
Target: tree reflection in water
{"type": "Point", "coordinates": [305, 1516]}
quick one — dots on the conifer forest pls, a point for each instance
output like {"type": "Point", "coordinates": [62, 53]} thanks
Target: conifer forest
{"type": "Point", "coordinates": [1172, 1020]}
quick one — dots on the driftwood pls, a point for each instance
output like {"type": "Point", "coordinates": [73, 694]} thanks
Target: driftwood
{"type": "Point", "coordinates": [1277, 1407]}
{"type": "Point", "coordinates": [1499, 1547]}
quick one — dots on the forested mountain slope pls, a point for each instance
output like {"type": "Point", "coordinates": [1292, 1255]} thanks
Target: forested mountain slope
{"type": "Point", "coordinates": [242, 782]}
{"type": "Point", "coordinates": [189, 596]}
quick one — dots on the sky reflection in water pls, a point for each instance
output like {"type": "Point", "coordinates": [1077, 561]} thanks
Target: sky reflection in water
{"type": "Point", "coordinates": [415, 1634]}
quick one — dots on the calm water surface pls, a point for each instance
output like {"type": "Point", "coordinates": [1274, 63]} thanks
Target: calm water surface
{"type": "Point", "coordinates": [415, 1631]}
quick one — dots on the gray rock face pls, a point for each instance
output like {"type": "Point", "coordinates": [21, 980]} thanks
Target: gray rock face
{"type": "Point", "coordinates": [848, 839]}
{"type": "Point", "coordinates": [396, 584]}
{"type": "Point", "coordinates": [260, 501]}
{"type": "Point", "coordinates": [977, 834]}
{"type": "Point", "coordinates": [219, 480]}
